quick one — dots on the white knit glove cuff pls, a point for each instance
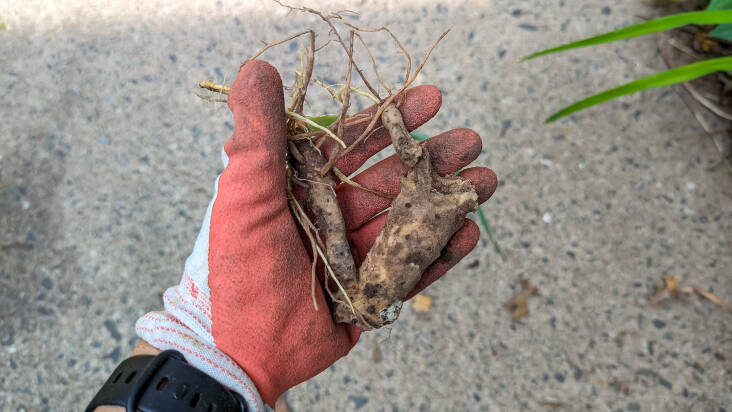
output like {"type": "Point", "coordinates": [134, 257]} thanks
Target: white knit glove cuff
{"type": "Point", "coordinates": [185, 324]}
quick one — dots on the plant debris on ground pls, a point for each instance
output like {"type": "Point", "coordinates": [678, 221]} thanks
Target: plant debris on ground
{"type": "Point", "coordinates": [519, 304]}
{"type": "Point", "coordinates": [671, 290]}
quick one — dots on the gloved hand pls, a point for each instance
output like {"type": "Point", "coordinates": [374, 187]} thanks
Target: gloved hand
{"type": "Point", "coordinates": [243, 311]}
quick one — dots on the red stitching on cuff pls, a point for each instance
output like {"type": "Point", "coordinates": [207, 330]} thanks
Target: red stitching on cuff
{"type": "Point", "coordinates": [192, 302]}
{"type": "Point", "coordinates": [205, 303]}
{"type": "Point", "coordinates": [213, 349]}
{"type": "Point", "coordinates": [170, 318]}
{"type": "Point", "coordinates": [207, 329]}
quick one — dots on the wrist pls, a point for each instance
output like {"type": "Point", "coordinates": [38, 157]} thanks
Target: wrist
{"type": "Point", "coordinates": [142, 348]}
{"type": "Point", "coordinates": [184, 326]}
{"type": "Point", "coordinates": [155, 380]}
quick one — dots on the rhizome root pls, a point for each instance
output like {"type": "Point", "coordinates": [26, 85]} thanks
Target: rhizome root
{"type": "Point", "coordinates": [428, 211]}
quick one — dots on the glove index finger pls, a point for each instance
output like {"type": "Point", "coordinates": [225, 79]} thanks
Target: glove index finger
{"type": "Point", "coordinates": [420, 104]}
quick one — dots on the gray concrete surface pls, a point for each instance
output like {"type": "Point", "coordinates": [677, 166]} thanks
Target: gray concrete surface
{"type": "Point", "coordinates": [107, 160]}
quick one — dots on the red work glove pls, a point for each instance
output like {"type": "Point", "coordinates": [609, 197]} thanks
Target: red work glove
{"type": "Point", "coordinates": [243, 312]}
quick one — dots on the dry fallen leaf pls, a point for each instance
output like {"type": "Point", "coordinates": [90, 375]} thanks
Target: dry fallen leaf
{"type": "Point", "coordinates": [704, 41]}
{"type": "Point", "coordinates": [519, 304]}
{"type": "Point", "coordinates": [422, 303]}
{"type": "Point", "coordinates": [671, 290]}
{"type": "Point", "coordinates": [713, 298]}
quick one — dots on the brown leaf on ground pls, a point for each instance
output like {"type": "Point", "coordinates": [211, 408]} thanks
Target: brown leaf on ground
{"type": "Point", "coordinates": [704, 41]}
{"type": "Point", "coordinates": [519, 304]}
{"type": "Point", "coordinates": [422, 303]}
{"type": "Point", "coordinates": [713, 298]}
{"type": "Point", "coordinates": [671, 290]}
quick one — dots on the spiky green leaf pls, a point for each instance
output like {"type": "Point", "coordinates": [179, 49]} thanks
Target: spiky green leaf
{"type": "Point", "coordinates": [648, 27]}
{"type": "Point", "coordinates": [673, 76]}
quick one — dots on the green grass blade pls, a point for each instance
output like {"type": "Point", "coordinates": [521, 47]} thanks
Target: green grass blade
{"type": "Point", "coordinates": [648, 27]}
{"type": "Point", "coordinates": [673, 76]}
{"type": "Point", "coordinates": [489, 232]}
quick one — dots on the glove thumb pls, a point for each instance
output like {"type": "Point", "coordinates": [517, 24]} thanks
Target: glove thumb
{"type": "Point", "coordinates": [260, 134]}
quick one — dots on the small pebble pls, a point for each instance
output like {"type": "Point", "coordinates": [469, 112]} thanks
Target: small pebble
{"type": "Point", "coordinates": [547, 217]}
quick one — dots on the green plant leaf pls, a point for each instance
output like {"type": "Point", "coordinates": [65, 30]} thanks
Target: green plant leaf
{"type": "Point", "coordinates": [723, 31]}
{"type": "Point", "coordinates": [324, 121]}
{"type": "Point", "coordinates": [417, 135]}
{"type": "Point", "coordinates": [651, 26]}
{"type": "Point", "coordinates": [667, 78]}
{"type": "Point", "coordinates": [720, 5]}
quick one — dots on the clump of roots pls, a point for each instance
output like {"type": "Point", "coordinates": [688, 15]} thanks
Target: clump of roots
{"type": "Point", "coordinates": [424, 216]}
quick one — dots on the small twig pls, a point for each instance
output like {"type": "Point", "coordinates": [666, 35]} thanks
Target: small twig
{"type": "Point", "coordinates": [683, 49]}
{"type": "Point", "coordinates": [426, 57]}
{"type": "Point", "coordinates": [323, 46]}
{"type": "Point", "coordinates": [346, 99]}
{"type": "Point", "coordinates": [706, 102]}
{"type": "Point", "coordinates": [327, 19]}
{"type": "Point", "coordinates": [396, 40]}
{"type": "Point", "coordinates": [329, 89]}
{"type": "Point", "coordinates": [712, 298]}
{"type": "Point", "coordinates": [329, 164]}
{"type": "Point", "coordinates": [298, 104]}
{"type": "Point", "coordinates": [304, 119]}
{"type": "Point", "coordinates": [342, 86]}
{"type": "Point", "coordinates": [306, 135]}
{"type": "Point", "coordinates": [306, 224]}
{"type": "Point", "coordinates": [210, 98]}
{"type": "Point", "coordinates": [333, 159]}
{"type": "Point", "coordinates": [691, 89]}
{"type": "Point", "coordinates": [294, 152]}
{"type": "Point", "coordinates": [694, 95]}
{"type": "Point", "coordinates": [313, 244]}
{"type": "Point", "coordinates": [277, 43]}
{"type": "Point", "coordinates": [297, 87]}
{"type": "Point", "coordinates": [373, 62]}
{"type": "Point", "coordinates": [345, 179]}
{"type": "Point", "coordinates": [214, 87]}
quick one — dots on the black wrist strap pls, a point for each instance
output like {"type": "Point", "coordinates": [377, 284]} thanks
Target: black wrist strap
{"type": "Point", "coordinates": [165, 383]}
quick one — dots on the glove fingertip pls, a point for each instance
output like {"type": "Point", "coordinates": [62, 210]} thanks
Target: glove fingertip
{"type": "Point", "coordinates": [484, 180]}
{"type": "Point", "coordinates": [421, 103]}
{"type": "Point", "coordinates": [255, 86]}
{"type": "Point", "coordinates": [257, 102]}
